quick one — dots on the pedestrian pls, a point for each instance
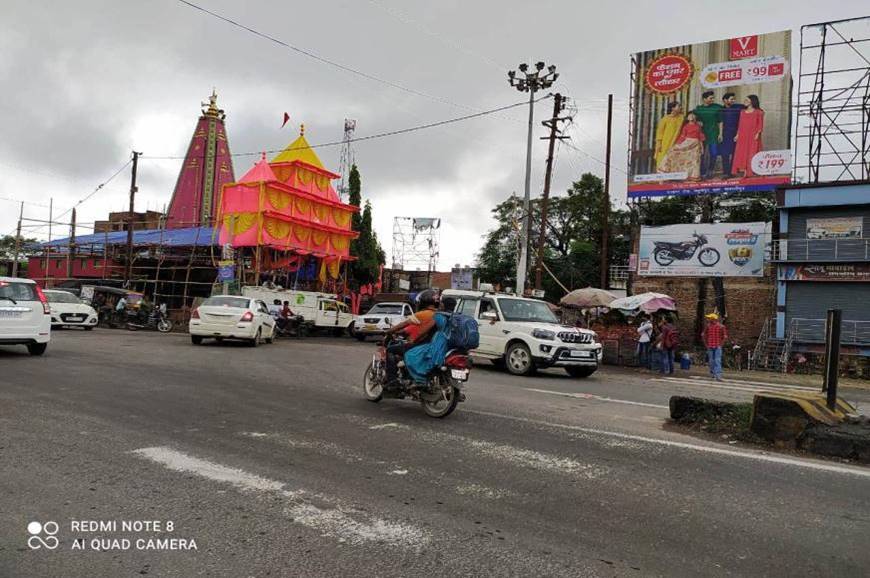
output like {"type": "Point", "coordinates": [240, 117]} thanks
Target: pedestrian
{"type": "Point", "coordinates": [714, 336]}
{"type": "Point", "coordinates": [668, 341]}
{"type": "Point", "coordinates": [644, 341]}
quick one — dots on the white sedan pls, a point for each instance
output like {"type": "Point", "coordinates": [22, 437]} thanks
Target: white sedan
{"type": "Point", "coordinates": [232, 317]}
{"type": "Point", "coordinates": [67, 310]}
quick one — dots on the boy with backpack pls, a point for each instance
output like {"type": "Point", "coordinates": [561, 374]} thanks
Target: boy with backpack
{"type": "Point", "coordinates": [669, 339]}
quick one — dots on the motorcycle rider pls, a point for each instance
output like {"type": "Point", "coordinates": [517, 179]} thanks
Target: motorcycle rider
{"type": "Point", "coordinates": [419, 327]}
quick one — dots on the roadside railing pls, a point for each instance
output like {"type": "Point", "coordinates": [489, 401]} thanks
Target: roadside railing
{"type": "Point", "coordinates": [813, 331]}
{"type": "Point", "coordinates": [844, 249]}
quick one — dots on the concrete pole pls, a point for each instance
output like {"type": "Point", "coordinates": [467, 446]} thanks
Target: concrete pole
{"type": "Point", "coordinates": [522, 264]}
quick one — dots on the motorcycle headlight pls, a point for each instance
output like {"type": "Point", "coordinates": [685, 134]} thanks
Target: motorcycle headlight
{"type": "Point", "coordinates": [544, 334]}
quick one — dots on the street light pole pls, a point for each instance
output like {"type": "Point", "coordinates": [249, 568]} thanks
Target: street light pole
{"type": "Point", "coordinates": [531, 82]}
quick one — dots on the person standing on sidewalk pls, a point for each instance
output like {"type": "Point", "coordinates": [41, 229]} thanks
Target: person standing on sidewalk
{"type": "Point", "coordinates": [714, 335]}
{"type": "Point", "coordinates": [644, 341]}
{"type": "Point", "coordinates": [668, 341]}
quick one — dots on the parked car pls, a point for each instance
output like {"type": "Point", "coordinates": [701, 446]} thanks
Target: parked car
{"type": "Point", "coordinates": [523, 334]}
{"type": "Point", "coordinates": [25, 317]}
{"type": "Point", "coordinates": [70, 311]}
{"type": "Point", "coordinates": [379, 319]}
{"type": "Point", "coordinates": [232, 317]}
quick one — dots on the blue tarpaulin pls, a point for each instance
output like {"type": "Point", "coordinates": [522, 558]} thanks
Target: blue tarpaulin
{"type": "Point", "coordinates": [188, 237]}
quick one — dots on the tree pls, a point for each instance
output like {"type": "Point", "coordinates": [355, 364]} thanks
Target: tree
{"type": "Point", "coordinates": [366, 248]}
{"type": "Point", "coordinates": [27, 247]}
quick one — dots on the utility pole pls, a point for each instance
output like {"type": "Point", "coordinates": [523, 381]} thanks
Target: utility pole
{"type": "Point", "coordinates": [605, 209]}
{"type": "Point", "coordinates": [558, 107]}
{"type": "Point", "coordinates": [128, 272]}
{"type": "Point", "coordinates": [17, 241]}
{"type": "Point", "coordinates": [71, 245]}
{"type": "Point", "coordinates": [48, 247]}
{"type": "Point", "coordinates": [530, 82]}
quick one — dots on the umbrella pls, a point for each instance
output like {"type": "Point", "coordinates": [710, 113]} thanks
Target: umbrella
{"type": "Point", "coordinates": [588, 298]}
{"type": "Point", "coordinates": [646, 302]}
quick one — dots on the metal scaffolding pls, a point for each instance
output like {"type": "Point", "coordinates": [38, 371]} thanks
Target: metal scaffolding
{"type": "Point", "coordinates": [416, 243]}
{"type": "Point", "coordinates": [833, 111]}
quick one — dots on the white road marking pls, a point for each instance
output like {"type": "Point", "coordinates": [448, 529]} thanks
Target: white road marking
{"type": "Point", "coordinates": [399, 473]}
{"type": "Point", "coordinates": [385, 426]}
{"type": "Point", "coordinates": [596, 397]}
{"type": "Point", "coordinates": [750, 455]}
{"type": "Point", "coordinates": [333, 522]}
{"type": "Point", "coordinates": [734, 383]}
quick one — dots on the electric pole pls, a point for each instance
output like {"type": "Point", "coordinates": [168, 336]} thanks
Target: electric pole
{"type": "Point", "coordinates": [71, 245]}
{"type": "Point", "coordinates": [530, 82]}
{"type": "Point", "coordinates": [17, 241]}
{"type": "Point", "coordinates": [605, 209]}
{"type": "Point", "coordinates": [552, 124]}
{"type": "Point", "coordinates": [128, 272]}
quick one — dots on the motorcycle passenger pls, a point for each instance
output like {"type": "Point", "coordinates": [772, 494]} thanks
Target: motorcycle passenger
{"type": "Point", "coordinates": [419, 328]}
{"type": "Point", "coordinates": [420, 360]}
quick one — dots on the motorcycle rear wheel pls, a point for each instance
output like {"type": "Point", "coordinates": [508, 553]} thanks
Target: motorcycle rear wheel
{"type": "Point", "coordinates": [164, 326]}
{"type": "Point", "coordinates": [663, 257]}
{"type": "Point", "coordinates": [372, 388]}
{"type": "Point", "coordinates": [446, 403]}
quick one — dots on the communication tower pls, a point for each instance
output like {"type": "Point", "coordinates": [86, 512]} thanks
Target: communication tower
{"type": "Point", "coordinates": [347, 158]}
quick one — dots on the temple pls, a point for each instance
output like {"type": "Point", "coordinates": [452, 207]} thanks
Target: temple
{"type": "Point", "coordinates": [207, 167]}
{"type": "Point", "coordinates": [288, 210]}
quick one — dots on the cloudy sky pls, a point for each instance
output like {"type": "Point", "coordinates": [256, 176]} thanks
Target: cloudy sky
{"type": "Point", "coordinates": [86, 82]}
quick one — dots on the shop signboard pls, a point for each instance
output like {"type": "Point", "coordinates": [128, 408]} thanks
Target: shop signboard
{"type": "Point", "coordinates": [836, 228]}
{"type": "Point", "coordinates": [712, 117]}
{"type": "Point", "coordinates": [703, 250]}
{"type": "Point", "coordinates": [837, 273]}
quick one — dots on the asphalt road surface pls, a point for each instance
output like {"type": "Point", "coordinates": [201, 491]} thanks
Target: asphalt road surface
{"type": "Point", "coordinates": [138, 446]}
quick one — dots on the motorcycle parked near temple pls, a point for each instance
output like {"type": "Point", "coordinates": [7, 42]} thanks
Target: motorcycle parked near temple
{"type": "Point", "coordinates": [666, 252]}
{"type": "Point", "coordinates": [157, 320]}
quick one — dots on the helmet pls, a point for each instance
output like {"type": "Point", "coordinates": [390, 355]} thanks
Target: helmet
{"type": "Point", "coordinates": [428, 298]}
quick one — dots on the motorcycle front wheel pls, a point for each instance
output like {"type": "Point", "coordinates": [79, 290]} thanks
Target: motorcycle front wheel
{"type": "Point", "coordinates": [709, 257]}
{"type": "Point", "coordinates": [164, 326]}
{"type": "Point", "coordinates": [373, 389]}
{"type": "Point", "coordinates": [663, 257]}
{"type": "Point", "coordinates": [441, 402]}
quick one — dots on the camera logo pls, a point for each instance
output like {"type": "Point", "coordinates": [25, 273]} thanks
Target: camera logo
{"type": "Point", "coordinates": [37, 531]}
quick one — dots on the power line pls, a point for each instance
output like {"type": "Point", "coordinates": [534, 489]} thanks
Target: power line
{"type": "Point", "coordinates": [324, 60]}
{"type": "Point", "coordinates": [371, 136]}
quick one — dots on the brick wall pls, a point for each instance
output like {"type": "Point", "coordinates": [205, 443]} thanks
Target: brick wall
{"type": "Point", "coordinates": [749, 303]}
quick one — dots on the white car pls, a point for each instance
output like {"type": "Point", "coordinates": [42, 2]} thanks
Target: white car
{"type": "Point", "coordinates": [68, 310]}
{"type": "Point", "coordinates": [232, 317]}
{"type": "Point", "coordinates": [523, 334]}
{"type": "Point", "coordinates": [25, 318]}
{"type": "Point", "coordinates": [379, 319]}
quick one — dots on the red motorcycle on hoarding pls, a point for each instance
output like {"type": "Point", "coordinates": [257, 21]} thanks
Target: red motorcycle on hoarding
{"type": "Point", "coordinates": [438, 396]}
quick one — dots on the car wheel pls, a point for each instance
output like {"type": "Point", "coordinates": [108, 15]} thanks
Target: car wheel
{"type": "Point", "coordinates": [36, 348]}
{"type": "Point", "coordinates": [256, 340]}
{"type": "Point", "coordinates": [519, 359]}
{"type": "Point", "coordinates": [360, 336]}
{"type": "Point", "coordinates": [90, 328]}
{"type": "Point", "coordinates": [580, 371]}
{"type": "Point", "coordinates": [196, 339]}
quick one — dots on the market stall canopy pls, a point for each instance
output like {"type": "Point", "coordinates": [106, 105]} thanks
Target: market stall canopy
{"type": "Point", "coordinates": [588, 298]}
{"type": "Point", "coordinates": [646, 302]}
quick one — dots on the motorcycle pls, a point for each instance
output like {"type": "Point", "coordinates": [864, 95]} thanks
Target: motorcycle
{"type": "Point", "coordinates": [156, 321]}
{"type": "Point", "coordinates": [438, 396]}
{"type": "Point", "coordinates": [295, 327]}
{"type": "Point", "coordinates": [666, 252]}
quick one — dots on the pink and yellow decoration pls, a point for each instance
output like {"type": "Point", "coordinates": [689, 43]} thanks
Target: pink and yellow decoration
{"type": "Point", "coordinates": [289, 204]}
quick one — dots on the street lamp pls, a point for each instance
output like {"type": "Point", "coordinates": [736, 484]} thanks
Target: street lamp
{"type": "Point", "coordinates": [531, 82]}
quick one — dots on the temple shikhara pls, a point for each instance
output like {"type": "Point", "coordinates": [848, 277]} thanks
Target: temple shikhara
{"type": "Point", "coordinates": [207, 167]}
{"type": "Point", "coordinates": [288, 210]}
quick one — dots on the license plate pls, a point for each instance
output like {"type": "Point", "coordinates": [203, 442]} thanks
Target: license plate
{"type": "Point", "coordinates": [76, 317]}
{"type": "Point", "coordinates": [370, 326]}
{"type": "Point", "coordinates": [460, 374]}
{"type": "Point", "coordinates": [581, 353]}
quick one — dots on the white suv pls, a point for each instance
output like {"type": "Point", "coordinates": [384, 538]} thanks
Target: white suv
{"type": "Point", "coordinates": [379, 319]}
{"type": "Point", "coordinates": [25, 317]}
{"type": "Point", "coordinates": [524, 334]}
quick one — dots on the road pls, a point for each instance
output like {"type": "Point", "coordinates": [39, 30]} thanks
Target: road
{"type": "Point", "coordinates": [270, 460]}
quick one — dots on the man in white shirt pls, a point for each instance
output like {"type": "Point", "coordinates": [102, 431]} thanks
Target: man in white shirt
{"type": "Point", "coordinates": [644, 340]}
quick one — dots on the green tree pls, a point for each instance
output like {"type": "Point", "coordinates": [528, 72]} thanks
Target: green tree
{"type": "Point", "coordinates": [366, 248]}
{"type": "Point", "coordinates": [28, 246]}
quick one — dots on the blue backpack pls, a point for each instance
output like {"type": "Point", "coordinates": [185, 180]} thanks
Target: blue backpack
{"type": "Point", "coordinates": [462, 332]}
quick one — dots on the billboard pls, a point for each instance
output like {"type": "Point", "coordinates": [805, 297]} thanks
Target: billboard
{"type": "Point", "coordinates": [711, 118]}
{"type": "Point", "coordinates": [703, 250]}
{"type": "Point", "coordinates": [836, 228]}
{"type": "Point", "coordinates": [806, 272]}
{"type": "Point", "coordinates": [461, 278]}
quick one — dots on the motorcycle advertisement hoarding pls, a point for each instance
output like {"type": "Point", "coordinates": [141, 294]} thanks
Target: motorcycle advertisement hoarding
{"type": "Point", "coordinates": [703, 250]}
{"type": "Point", "coordinates": [711, 118]}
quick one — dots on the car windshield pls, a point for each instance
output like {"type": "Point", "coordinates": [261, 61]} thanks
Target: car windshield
{"type": "Point", "coordinates": [61, 297]}
{"type": "Point", "coordinates": [17, 291]}
{"type": "Point", "coordinates": [526, 310]}
{"type": "Point", "coordinates": [227, 301]}
{"type": "Point", "coordinates": [385, 309]}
